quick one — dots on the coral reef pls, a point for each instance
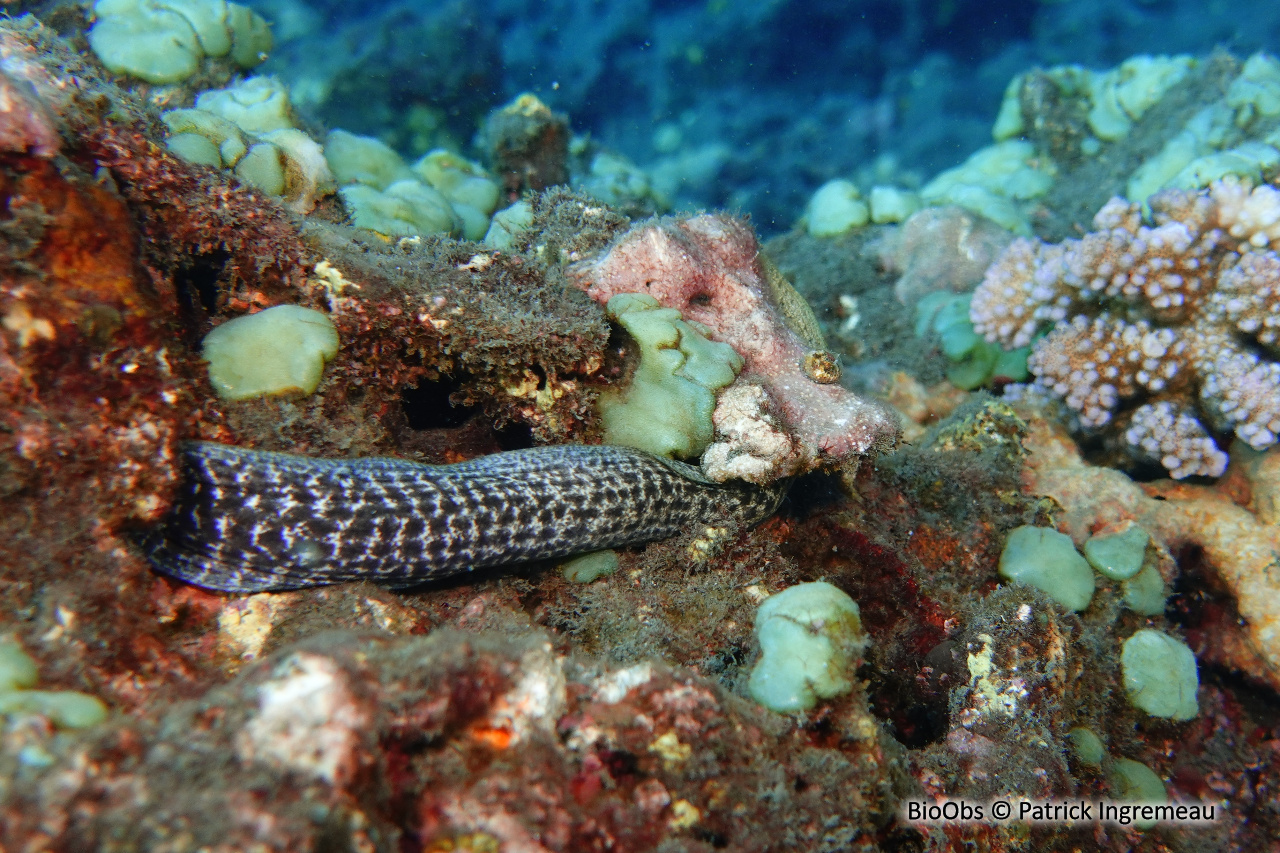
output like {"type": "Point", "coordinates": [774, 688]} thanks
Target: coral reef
{"type": "Point", "coordinates": [519, 342]}
{"type": "Point", "coordinates": [528, 145]}
{"type": "Point", "coordinates": [623, 185]}
{"type": "Point", "coordinates": [836, 207]}
{"type": "Point", "coordinates": [1150, 123]}
{"type": "Point", "coordinates": [458, 736]}
{"type": "Point", "coordinates": [1067, 138]}
{"type": "Point", "coordinates": [1001, 182]}
{"type": "Point", "coordinates": [940, 249]}
{"type": "Point", "coordinates": [406, 312]}
{"type": "Point", "coordinates": [708, 268]}
{"type": "Point", "coordinates": [523, 710]}
{"type": "Point", "coordinates": [1236, 545]}
{"type": "Point", "coordinates": [117, 257]}
{"type": "Point", "coordinates": [1153, 328]}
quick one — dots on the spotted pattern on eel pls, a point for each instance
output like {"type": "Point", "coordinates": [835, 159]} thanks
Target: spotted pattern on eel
{"type": "Point", "coordinates": [252, 521]}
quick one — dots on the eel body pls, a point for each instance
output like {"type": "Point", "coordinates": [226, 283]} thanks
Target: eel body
{"type": "Point", "coordinates": [251, 521]}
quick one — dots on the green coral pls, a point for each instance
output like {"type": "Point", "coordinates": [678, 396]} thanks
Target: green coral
{"type": "Point", "coordinates": [810, 639]}
{"type": "Point", "coordinates": [835, 208]}
{"type": "Point", "coordinates": [164, 41]}
{"type": "Point", "coordinates": [66, 709]}
{"type": "Point", "coordinates": [586, 568]}
{"type": "Point", "coordinates": [1047, 560]}
{"type": "Point", "coordinates": [442, 193]}
{"type": "Point", "coordinates": [407, 208]}
{"type": "Point", "coordinates": [282, 350]}
{"type": "Point", "coordinates": [667, 408]}
{"type": "Point", "coordinates": [1160, 675]}
{"type": "Point", "coordinates": [975, 360]}
{"type": "Point", "coordinates": [248, 128]}
{"type": "Point", "coordinates": [1236, 134]}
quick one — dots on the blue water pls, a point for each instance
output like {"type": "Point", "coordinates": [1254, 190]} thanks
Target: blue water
{"type": "Point", "coordinates": [769, 99]}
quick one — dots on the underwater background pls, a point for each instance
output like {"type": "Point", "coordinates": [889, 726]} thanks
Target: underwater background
{"type": "Point", "coordinates": [639, 426]}
{"type": "Point", "coordinates": [763, 101]}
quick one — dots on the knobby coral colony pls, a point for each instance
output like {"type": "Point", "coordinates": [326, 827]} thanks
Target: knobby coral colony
{"type": "Point", "coordinates": [251, 521]}
{"type": "Point", "coordinates": [1160, 335]}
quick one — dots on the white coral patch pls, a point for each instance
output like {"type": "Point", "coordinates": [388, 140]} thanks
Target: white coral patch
{"type": "Point", "coordinates": [749, 445]}
{"type": "Point", "coordinates": [307, 721]}
{"type": "Point", "coordinates": [538, 699]}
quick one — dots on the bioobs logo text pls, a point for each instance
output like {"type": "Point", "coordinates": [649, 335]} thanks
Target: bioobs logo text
{"type": "Point", "coordinates": [1064, 811]}
{"type": "Point", "coordinates": [948, 811]}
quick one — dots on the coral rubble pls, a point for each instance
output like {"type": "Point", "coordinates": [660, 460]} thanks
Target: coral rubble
{"type": "Point", "coordinates": [456, 736]}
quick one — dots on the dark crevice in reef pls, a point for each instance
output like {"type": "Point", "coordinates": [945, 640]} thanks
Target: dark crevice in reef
{"type": "Point", "coordinates": [910, 667]}
{"type": "Point", "coordinates": [197, 282]}
{"type": "Point", "coordinates": [916, 714]}
{"type": "Point", "coordinates": [1198, 603]}
{"type": "Point", "coordinates": [1207, 612]}
{"type": "Point", "coordinates": [440, 430]}
{"type": "Point", "coordinates": [515, 437]}
{"type": "Point", "coordinates": [810, 493]}
{"type": "Point", "coordinates": [427, 406]}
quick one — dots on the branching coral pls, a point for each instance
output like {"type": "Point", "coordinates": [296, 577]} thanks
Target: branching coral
{"type": "Point", "coordinates": [1161, 334]}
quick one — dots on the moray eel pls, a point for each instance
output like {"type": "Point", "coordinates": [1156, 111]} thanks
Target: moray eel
{"type": "Point", "coordinates": [252, 521]}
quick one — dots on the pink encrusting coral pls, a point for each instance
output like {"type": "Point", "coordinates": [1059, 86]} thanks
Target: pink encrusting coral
{"type": "Point", "coordinates": [708, 267]}
{"type": "Point", "coordinates": [31, 101]}
{"type": "Point", "coordinates": [940, 249]}
{"type": "Point", "coordinates": [1159, 334]}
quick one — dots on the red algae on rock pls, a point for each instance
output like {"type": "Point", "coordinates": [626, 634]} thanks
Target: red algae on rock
{"type": "Point", "coordinates": [85, 379]}
{"type": "Point", "coordinates": [93, 400]}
